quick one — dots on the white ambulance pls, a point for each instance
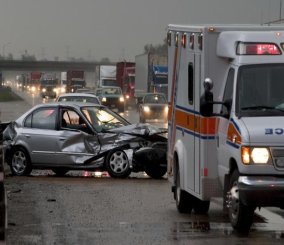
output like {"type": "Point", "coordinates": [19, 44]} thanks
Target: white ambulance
{"type": "Point", "coordinates": [226, 118]}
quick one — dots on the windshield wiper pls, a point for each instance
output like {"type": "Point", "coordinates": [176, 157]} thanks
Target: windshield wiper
{"type": "Point", "coordinates": [261, 107]}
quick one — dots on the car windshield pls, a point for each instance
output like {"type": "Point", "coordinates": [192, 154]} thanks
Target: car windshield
{"type": "Point", "coordinates": [48, 82]}
{"type": "Point", "coordinates": [260, 90]}
{"type": "Point", "coordinates": [102, 118]}
{"type": "Point", "coordinates": [83, 90]}
{"type": "Point", "coordinates": [155, 99]}
{"type": "Point", "coordinates": [79, 99]}
{"type": "Point", "coordinates": [111, 91]}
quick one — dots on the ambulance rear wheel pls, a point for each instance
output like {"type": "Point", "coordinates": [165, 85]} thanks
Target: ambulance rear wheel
{"type": "Point", "coordinates": [184, 200]}
{"type": "Point", "coordinates": [241, 216]}
{"type": "Point", "coordinates": [201, 207]}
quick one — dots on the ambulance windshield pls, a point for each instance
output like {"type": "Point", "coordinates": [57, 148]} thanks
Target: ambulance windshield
{"type": "Point", "coordinates": [260, 90]}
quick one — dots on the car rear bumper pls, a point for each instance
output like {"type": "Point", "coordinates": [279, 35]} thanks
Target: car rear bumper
{"type": "Point", "coordinates": [262, 191]}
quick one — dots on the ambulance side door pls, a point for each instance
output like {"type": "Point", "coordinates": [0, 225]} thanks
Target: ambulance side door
{"type": "Point", "coordinates": [223, 144]}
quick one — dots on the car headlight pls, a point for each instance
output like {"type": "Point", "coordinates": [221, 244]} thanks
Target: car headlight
{"type": "Point", "coordinates": [104, 99]}
{"type": "Point", "coordinates": [33, 89]}
{"type": "Point", "coordinates": [43, 90]}
{"type": "Point", "coordinates": [72, 90]}
{"type": "Point", "coordinates": [121, 99]}
{"type": "Point", "coordinates": [146, 108]}
{"type": "Point", "coordinates": [55, 90]}
{"type": "Point", "coordinates": [63, 90]}
{"type": "Point", "coordinates": [127, 96]}
{"type": "Point", "coordinates": [166, 109]}
{"type": "Point", "coordinates": [256, 155]}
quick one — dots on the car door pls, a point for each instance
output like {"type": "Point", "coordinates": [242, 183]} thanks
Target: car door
{"type": "Point", "coordinates": [39, 135]}
{"type": "Point", "coordinates": [76, 143]}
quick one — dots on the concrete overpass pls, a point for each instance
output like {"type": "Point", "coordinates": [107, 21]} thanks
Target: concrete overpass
{"type": "Point", "coordinates": [18, 65]}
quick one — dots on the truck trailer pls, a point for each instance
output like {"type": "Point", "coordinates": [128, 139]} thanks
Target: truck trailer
{"type": "Point", "coordinates": [226, 117]}
{"type": "Point", "coordinates": [75, 80]}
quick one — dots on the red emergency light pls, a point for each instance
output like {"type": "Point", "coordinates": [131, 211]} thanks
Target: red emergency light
{"type": "Point", "coordinates": [258, 49]}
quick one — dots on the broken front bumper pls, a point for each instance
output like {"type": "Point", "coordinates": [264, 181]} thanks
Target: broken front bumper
{"type": "Point", "coordinates": [262, 191]}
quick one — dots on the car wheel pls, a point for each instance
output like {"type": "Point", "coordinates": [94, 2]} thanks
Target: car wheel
{"type": "Point", "coordinates": [60, 171]}
{"type": "Point", "coordinates": [241, 216]}
{"type": "Point", "coordinates": [201, 207]}
{"type": "Point", "coordinates": [156, 173]}
{"type": "Point", "coordinates": [184, 200]}
{"type": "Point", "coordinates": [117, 164]}
{"type": "Point", "coordinates": [20, 162]}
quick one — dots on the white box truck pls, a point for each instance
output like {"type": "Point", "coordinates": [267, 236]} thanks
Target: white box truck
{"type": "Point", "coordinates": [226, 118]}
{"type": "Point", "coordinates": [106, 76]}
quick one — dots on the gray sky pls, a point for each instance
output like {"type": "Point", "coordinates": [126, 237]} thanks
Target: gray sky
{"type": "Point", "coordinates": [106, 27]}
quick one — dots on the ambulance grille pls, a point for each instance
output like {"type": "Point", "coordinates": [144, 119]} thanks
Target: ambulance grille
{"type": "Point", "coordinates": [278, 153]}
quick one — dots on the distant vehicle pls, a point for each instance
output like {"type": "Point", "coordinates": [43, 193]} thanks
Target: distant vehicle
{"type": "Point", "coordinates": [83, 90]}
{"type": "Point", "coordinates": [75, 80]}
{"type": "Point", "coordinates": [151, 75]}
{"type": "Point", "coordinates": [48, 85]}
{"type": "Point", "coordinates": [111, 97]}
{"type": "Point", "coordinates": [78, 97]}
{"type": "Point", "coordinates": [34, 83]}
{"type": "Point", "coordinates": [153, 106]}
{"type": "Point", "coordinates": [106, 76]}
{"type": "Point", "coordinates": [63, 82]}
{"type": "Point", "coordinates": [83, 136]}
{"type": "Point", "coordinates": [125, 79]}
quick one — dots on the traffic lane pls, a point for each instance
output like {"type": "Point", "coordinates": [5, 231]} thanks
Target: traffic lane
{"type": "Point", "coordinates": [112, 211]}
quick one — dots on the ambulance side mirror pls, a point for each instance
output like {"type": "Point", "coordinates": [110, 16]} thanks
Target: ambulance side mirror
{"type": "Point", "coordinates": [206, 103]}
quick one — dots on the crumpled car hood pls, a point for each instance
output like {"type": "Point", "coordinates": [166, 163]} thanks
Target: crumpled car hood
{"type": "Point", "coordinates": [139, 130]}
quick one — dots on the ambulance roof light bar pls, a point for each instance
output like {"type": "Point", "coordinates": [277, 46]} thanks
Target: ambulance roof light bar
{"type": "Point", "coordinates": [248, 48]}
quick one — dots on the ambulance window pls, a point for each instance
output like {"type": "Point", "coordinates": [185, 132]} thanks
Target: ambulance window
{"type": "Point", "coordinates": [190, 83]}
{"type": "Point", "coordinates": [228, 94]}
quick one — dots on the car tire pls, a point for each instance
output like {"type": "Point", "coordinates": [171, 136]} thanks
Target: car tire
{"type": "Point", "coordinates": [201, 207]}
{"type": "Point", "coordinates": [241, 216]}
{"type": "Point", "coordinates": [60, 171]}
{"type": "Point", "coordinates": [20, 162]}
{"type": "Point", "coordinates": [156, 173]}
{"type": "Point", "coordinates": [184, 200]}
{"type": "Point", "coordinates": [117, 164]}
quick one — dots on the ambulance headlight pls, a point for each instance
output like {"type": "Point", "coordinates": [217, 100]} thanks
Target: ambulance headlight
{"type": "Point", "coordinates": [256, 156]}
{"type": "Point", "coordinates": [260, 155]}
{"type": "Point", "coordinates": [146, 108]}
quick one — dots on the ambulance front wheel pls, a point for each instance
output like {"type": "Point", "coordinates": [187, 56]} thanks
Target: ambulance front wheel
{"type": "Point", "coordinates": [241, 216]}
{"type": "Point", "coordinates": [184, 200]}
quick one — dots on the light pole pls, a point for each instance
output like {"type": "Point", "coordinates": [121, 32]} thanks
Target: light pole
{"type": "Point", "coordinates": [4, 49]}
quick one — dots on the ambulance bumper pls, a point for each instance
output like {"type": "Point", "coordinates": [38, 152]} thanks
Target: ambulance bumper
{"type": "Point", "coordinates": [262, 191]}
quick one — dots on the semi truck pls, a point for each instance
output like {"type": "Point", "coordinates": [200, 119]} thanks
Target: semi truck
{"type": "Point", "coordinates": [63, 82]}
{"type": "Point", "coordinates": [75, 80]}
{"type": "Point", "coordinates": [125, 79]}
{"type": "Point", "coordinates": [48, 85]}
{"type": "Point", "coordinates": [105, 76]}
{"type": "Point", "coordinates": [226, 117]}
{"type": "Point", "coordinates": [34, 82]}
{"type": "Point", "coordinates": [151, 75]}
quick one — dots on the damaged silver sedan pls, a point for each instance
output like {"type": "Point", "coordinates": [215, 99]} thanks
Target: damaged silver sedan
{"type": "Point", "coordinates": [81, 136]}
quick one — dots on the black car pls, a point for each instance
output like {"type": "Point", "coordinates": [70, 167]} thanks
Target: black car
{"type": "Point", "coordinates": [153, 106]}
{"type": "Point", "coordinates": [83, 136]}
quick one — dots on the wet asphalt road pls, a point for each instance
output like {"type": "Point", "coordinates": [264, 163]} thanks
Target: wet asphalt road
{"type": "Point", "coordinates": [84, 209]}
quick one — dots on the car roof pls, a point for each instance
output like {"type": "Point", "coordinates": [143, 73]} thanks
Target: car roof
{"type": "Point", "coordinates": [76, 94]}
